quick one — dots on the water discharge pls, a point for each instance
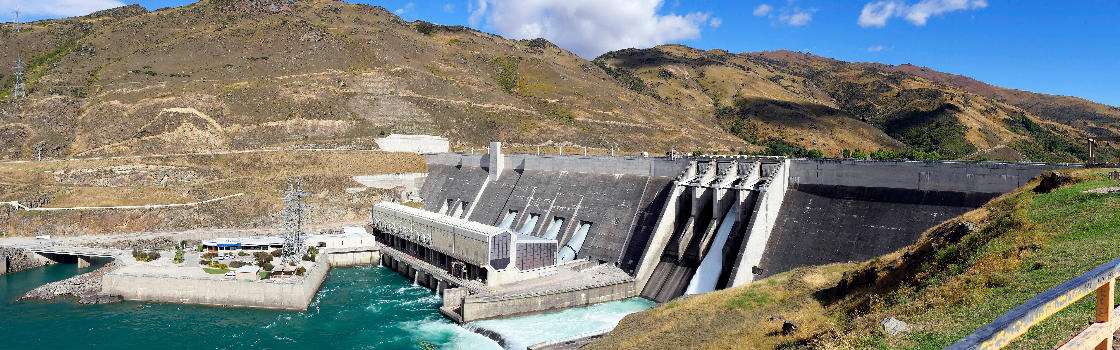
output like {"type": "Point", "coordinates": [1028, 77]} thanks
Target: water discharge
{"type": "Point", "coordinates": [520, 332]}
{"type": "Point", "coordinates": [356, 308]}
{"type": "Point", "coordinates": [707, 275]}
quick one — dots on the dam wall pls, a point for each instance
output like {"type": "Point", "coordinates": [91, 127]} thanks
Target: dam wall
{"type": "Point", "coordinates": [657, 218]}
{"type": "Point", "coordinates": [855, 210]}
{"type": "Point", "coordinates": [620, 197]}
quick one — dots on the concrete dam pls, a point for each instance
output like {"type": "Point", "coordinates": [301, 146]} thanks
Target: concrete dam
{"type": "Point", "coordinates": [600, 228]}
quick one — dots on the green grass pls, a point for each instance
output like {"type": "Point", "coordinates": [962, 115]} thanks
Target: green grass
{"type": "Point", "coordinates": [215, 271]}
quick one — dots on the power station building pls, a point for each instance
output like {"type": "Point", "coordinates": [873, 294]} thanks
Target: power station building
{"type": "Point", "coordinates": [468, 250]}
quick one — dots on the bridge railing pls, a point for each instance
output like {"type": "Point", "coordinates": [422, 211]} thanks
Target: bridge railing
{"type": "Point", "coordinates": [1006, 328]}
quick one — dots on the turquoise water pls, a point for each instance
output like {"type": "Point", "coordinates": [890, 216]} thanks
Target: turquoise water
{"type": "Point", "coordinates": [356, 308]}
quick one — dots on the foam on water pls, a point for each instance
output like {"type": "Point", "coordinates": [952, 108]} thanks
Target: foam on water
{"type": "Point", "coordinates": [520, 332]}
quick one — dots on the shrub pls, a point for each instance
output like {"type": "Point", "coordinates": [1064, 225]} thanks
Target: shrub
{"type": "Point", "coordinates": [209, 256]}
{"type": "Point", "coordinates": [262, 257]}
{"type": "Point", "coordinates": [313, 250]}
{"type": "Point", "coordinates": [204, 262]}
{"type": "Point", "coordinates": [293, 263]}
{"type": "Point", "coordinates": [263, 275]}
{"type": "Point", "coordinates": [178, 257]}
{"type": "Point", "coordinates": [425, 28]}
{"type": "Point", "coordinates": [236, 264]}
{"type": "Point", "coordinates": [300, 271]}
{"type": "Point", "coordinates": [242, 254]}
{"type": "Point", "coordinates": [277, 253]}
{"type": "Point", "coordinates": [201, 248]}
{"type": "Point", "coordinates": [223, 266]}
{"type": "Point", "coordinates": [307, 257]}
{"type": "Point", "coordinates": [267, 266]}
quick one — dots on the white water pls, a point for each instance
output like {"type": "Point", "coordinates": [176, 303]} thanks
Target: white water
{"type": "Point", "coordinates": [508, 220]}
{"type": "Point", "coordinates": [554, 228]}
{"type": "Point", "coordinates": [569, 251]}
{"type": "Point", "coordinates": [520, 332]}
{"type": "Point", "coordinates": [707, 275]}
{"type": "Point", "coordinates": [527, 228]}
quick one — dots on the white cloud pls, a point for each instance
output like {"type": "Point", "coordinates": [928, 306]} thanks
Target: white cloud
{"type": "Point", "coordinates": [448, 7]}
{"type": "Point", "coordinates": [715, 22]}
{"type": "Point", "coordinates": [762, 10]}
{"type": "Point", "coordinates": [876, 14]}
{"type": "Point", "coordinates": [407, 8]}
{"type": "Point", "coordinates": [875, 48]}
{"type": "Point", "coordinates": [588, 27]}
{"type": "Point", "coordinates": [54, 8]}
{"type": "Point", "coordinates": [796, 17]}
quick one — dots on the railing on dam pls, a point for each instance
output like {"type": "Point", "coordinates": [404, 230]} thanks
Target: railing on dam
{"type": "Point", "coordinates": [1016, 322]}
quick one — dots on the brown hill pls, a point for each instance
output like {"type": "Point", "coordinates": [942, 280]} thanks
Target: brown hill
{"type": "Point", "coordinates": [242, 74]}
{"type": "Point", "coordinates": [805, 99]}
{"type": "Point", "coordinates": [236, 74]}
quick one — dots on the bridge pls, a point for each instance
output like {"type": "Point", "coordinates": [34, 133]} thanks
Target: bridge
{"type": "Point", "coordinates": [52, 252]}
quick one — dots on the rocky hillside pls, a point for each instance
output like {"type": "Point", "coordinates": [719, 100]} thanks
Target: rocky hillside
{"type": "Point", "coordinates": [816, 102]}
{"type": "Point", "coordinates": [237, 74]}
{"type": "Point", "coordinates": [242, 74]}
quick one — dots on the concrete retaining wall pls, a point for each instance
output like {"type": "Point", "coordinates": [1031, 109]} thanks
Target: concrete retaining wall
{"type": "Point", "coordinates": [348, 259]}
{"type": "Point", "coordinates": [413, 143]}
{"type": "Point", "coordinates": [293, 294]}
{"type": "Point", "coordinates": [480, 307]}
{"type": "Point", "coordinates": [605, 165]}
{"type": "Point", "coordinates": [914, 175]}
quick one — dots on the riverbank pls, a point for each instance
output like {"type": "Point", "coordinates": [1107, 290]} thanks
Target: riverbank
{"type": "Point", "coordinates": [86, 287]}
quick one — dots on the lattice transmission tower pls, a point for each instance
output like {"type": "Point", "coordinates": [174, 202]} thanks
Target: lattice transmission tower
{"type": "Point", "coordinates": [294, 211]}
{"type": "Point", "coordinates": [18, 90]}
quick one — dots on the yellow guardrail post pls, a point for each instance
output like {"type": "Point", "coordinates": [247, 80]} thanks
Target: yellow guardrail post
{"type": "Point", "coordinates": [1105, 296]}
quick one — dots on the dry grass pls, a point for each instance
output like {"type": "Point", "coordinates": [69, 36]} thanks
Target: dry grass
{"type": "Point", "coordinates": [180, 179]}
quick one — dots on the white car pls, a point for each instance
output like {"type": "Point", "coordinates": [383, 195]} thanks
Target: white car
{"type": "Point", "coordinates": [231, 274]}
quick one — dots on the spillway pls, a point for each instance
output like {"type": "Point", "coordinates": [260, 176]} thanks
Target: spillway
{"type": "Point", "coordinates": [569, 251]}
{"type": "Point", "coordinates": [707, 275]}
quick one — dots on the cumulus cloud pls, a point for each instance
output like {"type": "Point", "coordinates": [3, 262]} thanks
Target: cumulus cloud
{"type": "Point", "coordinates": [407, 8]}
{"type": "Point", "coordinates": [796, 17]}
{"type": "Point", "coordinates": [715, 22]}
{"type": "Point", "coordinates": [762, 10]}
{"type": "Point", "coordinates": [875, 48]}
{"type": "Point", "coordinates": [876, 14]}
{"type": "Point", "coordinates": [54, 8]}
{"type": "Point", "coordinates": [588, 27]}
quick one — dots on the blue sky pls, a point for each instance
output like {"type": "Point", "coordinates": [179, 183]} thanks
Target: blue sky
{"type": "Point", "coordinates": [1065, 48]}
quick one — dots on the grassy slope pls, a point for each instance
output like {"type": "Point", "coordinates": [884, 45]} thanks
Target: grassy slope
{"type": "Point", "coordinates": [948, 284]}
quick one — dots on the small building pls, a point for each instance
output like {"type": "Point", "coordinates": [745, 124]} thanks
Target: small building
{"type": "Point", "coordinates": [350, 237]}
{"type": "Point", "coordinates": [250, 272]}
{"type": "Point", "coordinates": [231, 246]}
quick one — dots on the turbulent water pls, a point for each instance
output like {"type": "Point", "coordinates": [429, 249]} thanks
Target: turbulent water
{"type": "Point", "coordinates": [357, 308]}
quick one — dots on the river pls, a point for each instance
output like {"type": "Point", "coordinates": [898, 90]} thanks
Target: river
{"type": "Point", "coordinates": [356, 308]}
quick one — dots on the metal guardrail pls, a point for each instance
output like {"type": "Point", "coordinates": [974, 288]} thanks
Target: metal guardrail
{"type": "Point", "coordinates": [1006, 328]}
